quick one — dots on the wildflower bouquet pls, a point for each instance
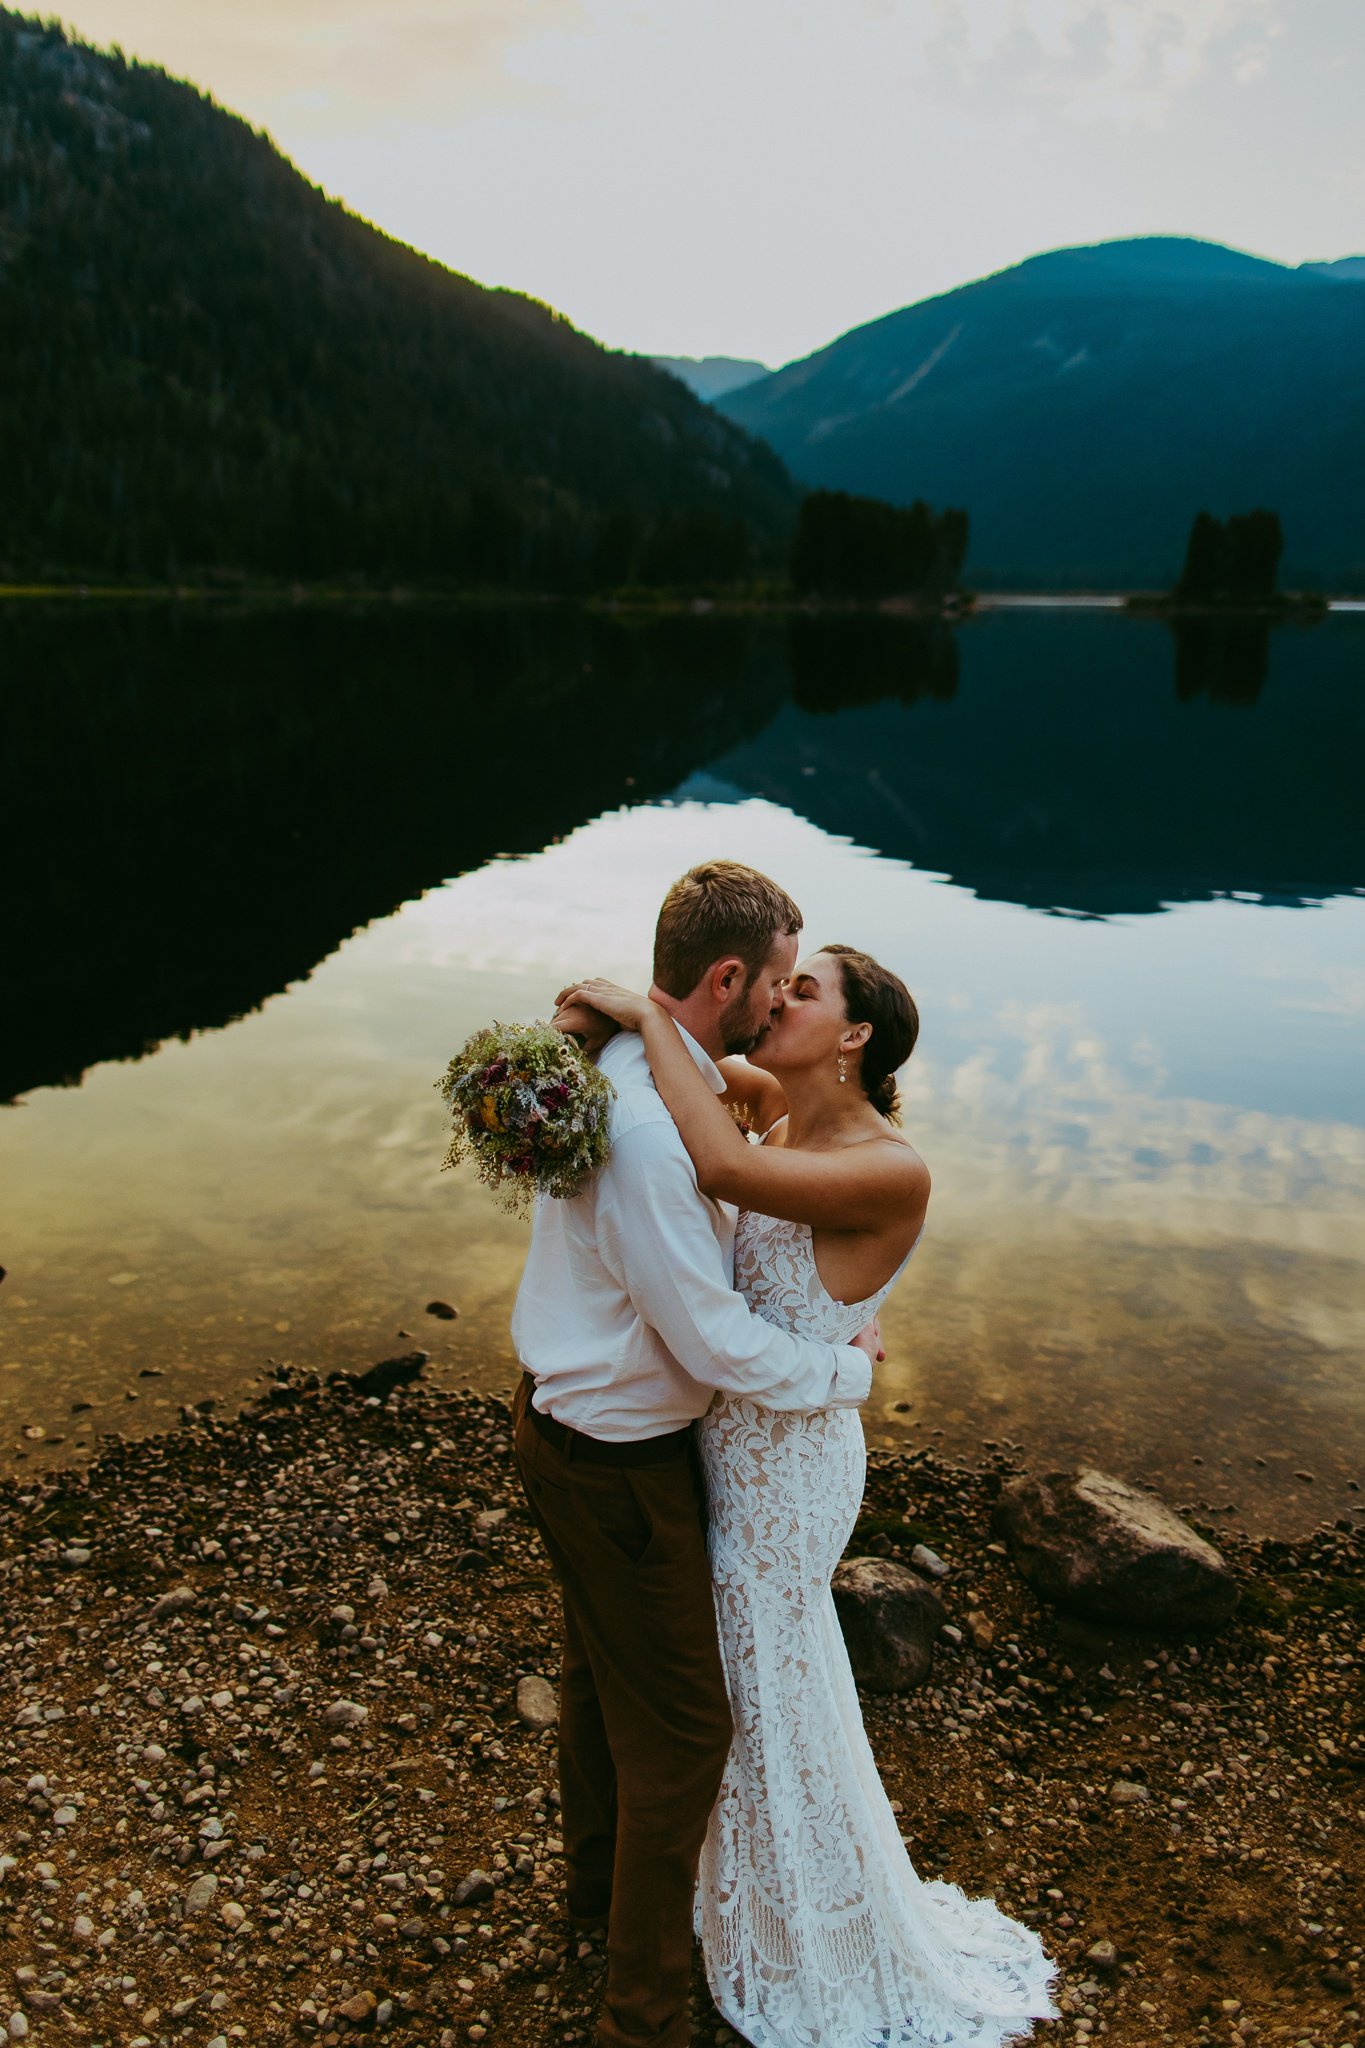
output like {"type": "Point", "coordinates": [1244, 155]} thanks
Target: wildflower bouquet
{"type": "Point", "coordinates": [528, 1109]}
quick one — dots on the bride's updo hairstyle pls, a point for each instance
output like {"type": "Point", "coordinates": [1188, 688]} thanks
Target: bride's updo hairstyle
{"type": "Point", "coordinates": [874, 995]}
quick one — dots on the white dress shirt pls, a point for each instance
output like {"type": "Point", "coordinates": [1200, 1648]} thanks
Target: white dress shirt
{"type": "Point", "coordinates": [627, 1315]}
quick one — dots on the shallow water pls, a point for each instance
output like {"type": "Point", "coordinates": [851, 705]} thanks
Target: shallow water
{"type": "Point", "coordinates": [1122, 874]}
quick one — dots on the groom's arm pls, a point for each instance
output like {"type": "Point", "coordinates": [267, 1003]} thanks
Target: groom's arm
{"type": "Point", "coordinates": [655, 1239]}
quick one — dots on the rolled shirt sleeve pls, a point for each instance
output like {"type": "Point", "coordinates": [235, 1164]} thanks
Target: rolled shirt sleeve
{"type": "Point", "coordinates": [656, 1240]}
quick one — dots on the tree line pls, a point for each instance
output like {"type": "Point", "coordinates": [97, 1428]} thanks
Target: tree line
{"type": "Point", "coordinates": [850, 547]}
{"type": "Point", "coordinates": [1231, 561]}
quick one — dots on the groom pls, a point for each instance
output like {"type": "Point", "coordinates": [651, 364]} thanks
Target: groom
{"type": "Point", "coordinates": [626, 1322]}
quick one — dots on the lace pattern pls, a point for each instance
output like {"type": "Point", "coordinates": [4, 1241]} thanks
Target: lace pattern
{"type": "Point", "coordinates": [816, 1929]}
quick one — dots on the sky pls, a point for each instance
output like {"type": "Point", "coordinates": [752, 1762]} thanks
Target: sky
{"type": "Point", "coordinates": [755, 177]}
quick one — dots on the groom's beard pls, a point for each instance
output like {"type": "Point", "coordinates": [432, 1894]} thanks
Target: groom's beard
{"type": "Point", "coordinates": [740, 1031]}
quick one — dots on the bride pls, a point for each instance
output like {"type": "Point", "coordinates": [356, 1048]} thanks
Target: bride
{"type": "Point", "coordinates": [816, 1929]}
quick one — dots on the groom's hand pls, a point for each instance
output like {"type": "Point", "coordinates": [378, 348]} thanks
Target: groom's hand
{"type": "Point", "coordinates": [870, 1341]}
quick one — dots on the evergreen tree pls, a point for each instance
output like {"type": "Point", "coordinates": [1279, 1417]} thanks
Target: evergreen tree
{"type": "Point", "coordinates": [1233, 561]}
{"type": "Point", "coordinates": [864, 548]}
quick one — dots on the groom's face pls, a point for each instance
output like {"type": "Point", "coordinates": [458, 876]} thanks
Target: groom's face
{"type": "Point", "coordinates": [746, 1020]}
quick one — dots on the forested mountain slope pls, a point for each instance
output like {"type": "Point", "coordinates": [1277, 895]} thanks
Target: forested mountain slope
{"type": "Point", "coordinates": [208, 364]}
{"type": "Point", "coordinates": [1083, 406]}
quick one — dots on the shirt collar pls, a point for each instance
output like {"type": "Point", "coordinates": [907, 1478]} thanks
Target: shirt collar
{"type": "Point", "coordinates": [628, 1046]}
{"type": "Point", "coordinates": [704, 1061]}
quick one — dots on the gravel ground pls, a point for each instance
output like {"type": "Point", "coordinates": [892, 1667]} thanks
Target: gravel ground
{"type": "Point", "coordinates": [263, 1774]}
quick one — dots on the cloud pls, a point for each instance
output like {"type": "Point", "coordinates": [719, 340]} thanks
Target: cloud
{"type": "Point", "coordinates": [1111, 60]}
{"type": "Point", "coordinates": [341, 64]}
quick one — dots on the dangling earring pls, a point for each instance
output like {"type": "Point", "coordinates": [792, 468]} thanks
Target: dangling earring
{"type": "Point", "coordinates": [842, 1075]}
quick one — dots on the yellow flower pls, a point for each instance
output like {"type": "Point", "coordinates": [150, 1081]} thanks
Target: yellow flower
{"type": "Point", "coordinates": [488, 1109]}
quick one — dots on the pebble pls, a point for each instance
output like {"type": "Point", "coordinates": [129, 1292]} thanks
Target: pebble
{"type": "Point", "coordinates": [200, 1894]}
{"type": "Point", "coordinates": [537, 1703]}
{"type": "Point", "coordinates": [359, 2008]}
{"type": "Point", "coordinates": [444, 1311]}
{"type": "Point", "coordinates": [174, 1601]}
{"type": "Point", "coordinates": [444, 1789]}
{"type": "Point", "coordinates": [345, 1714]}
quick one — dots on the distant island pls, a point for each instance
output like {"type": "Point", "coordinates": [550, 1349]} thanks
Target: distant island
{"type": "Point", "coordinates": [1232, 566]}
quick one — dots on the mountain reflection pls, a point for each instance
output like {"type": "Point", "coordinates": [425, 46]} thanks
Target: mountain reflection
{"type": "Point", "coordinates": [199, 807]}
{"type": "Point", "coordinates": [1066, 773]}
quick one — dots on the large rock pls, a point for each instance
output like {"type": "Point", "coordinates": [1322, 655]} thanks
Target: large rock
{"type": "Point", "coordinates": [889, 1617]}
{"type": "Point", "coordinates": [1092, 1543]}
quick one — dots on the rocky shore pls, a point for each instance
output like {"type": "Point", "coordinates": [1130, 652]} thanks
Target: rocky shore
{"type": "Point", "coordinates": [277, 1751]}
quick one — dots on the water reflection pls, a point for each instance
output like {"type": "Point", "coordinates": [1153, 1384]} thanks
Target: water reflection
{"type": "Point", "coordinates": [1145, 1130]}
{"type": "Point", "coordinates": [202, 807]}
{"type": "Point", "coordinates": [1066, 773]}
{"type": "Point", "coordinates": [1227, 660]}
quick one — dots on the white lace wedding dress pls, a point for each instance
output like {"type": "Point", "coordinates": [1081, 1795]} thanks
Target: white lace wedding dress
{"type": "Point", "coordinates": [816, 1929]}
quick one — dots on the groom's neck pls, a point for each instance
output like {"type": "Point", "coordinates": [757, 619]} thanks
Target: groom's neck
{"type": "Point", "coordinates": [696, 1014]}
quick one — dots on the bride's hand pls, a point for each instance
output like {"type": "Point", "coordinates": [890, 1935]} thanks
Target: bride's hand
{"type": "Point", "coordinates": [588, 1027]}
{"type": "Point", "coordinates": [622, 1005]}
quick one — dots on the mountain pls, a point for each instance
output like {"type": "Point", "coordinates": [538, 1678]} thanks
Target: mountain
{"type": "Point", "coordinates": [1348, 268]}
{"type": "Point", "coordinates": [712, 376]}
{"type": "Point", "coordinates": [210, 365]}
{"type": "Point", "coordinates": [1083, 406]}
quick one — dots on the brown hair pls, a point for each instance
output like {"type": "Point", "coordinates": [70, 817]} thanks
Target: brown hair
{"type": "Point", "coordinates": [874, 995]}
{"type": "Point", "coordinates": [720, 908]}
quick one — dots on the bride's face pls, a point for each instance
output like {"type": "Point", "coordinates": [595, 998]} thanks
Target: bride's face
{"type": "Point", "coordinates": [810, 1023]}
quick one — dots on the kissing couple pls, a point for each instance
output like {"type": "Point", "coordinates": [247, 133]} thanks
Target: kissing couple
{"type": "Point", "coordinates": [688, 1438]}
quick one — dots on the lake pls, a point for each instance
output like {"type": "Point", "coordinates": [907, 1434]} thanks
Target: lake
{"type": "Point", "coordinates": [267, 869]}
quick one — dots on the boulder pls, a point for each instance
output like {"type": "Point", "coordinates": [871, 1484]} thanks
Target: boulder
{"type": "Point", "coordinates": [889, 1617]}
{"type": "Point", "coordinates": [1090, 1542]}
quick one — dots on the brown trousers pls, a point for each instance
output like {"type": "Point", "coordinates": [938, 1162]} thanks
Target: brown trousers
{"type": "Point", "coordinates": [644, 1721]}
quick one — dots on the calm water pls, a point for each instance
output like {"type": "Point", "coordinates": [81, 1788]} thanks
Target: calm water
{"type": "Point", "coordinates": [266, 872]}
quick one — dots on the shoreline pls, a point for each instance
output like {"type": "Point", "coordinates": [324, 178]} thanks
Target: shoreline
{"type": "Point", "coordinates": [771, 600]}
{"type": "Point", "coordinates": [266, 1778]}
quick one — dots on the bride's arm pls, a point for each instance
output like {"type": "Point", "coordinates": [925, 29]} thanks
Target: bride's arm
{"type": "Point", "coordinates": [759, 1095]}
{"type": "Point", "coordinates": [859, 1188]}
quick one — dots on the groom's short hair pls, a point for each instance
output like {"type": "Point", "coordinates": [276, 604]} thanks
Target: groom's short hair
{"type": "Point", "coordinates": [718, 909]}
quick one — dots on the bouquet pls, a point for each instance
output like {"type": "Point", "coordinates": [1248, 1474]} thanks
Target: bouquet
{"type": "Point", "coordinates": [528, 1109]}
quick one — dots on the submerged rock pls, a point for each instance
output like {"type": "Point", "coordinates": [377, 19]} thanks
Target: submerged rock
{"type": "Point", "coordinates": [1091, 1542]}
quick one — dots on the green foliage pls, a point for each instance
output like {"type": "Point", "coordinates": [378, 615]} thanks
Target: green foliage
{"type": "Point", "coordinates": [211, 367]}
{"type": "Point", "coordinates": [1232, 561]}
{"type": "Point", "coordinates": [865, 548]}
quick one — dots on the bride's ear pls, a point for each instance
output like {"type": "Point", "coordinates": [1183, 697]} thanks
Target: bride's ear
{"type": "Point", "coordinates": [855, 1038]}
